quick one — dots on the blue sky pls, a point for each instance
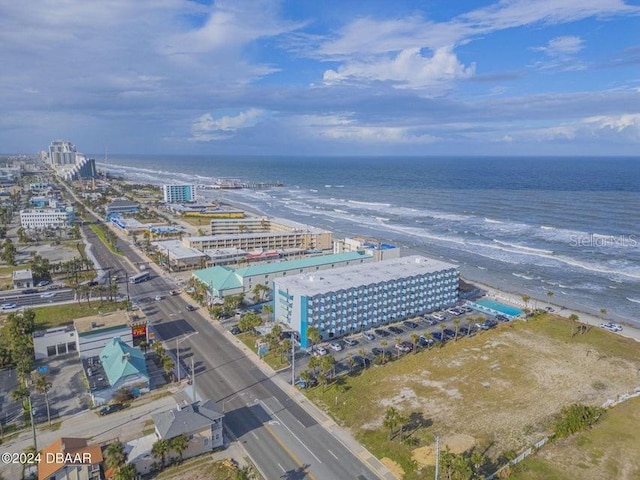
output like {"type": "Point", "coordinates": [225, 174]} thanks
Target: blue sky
{"type": "Point", "coordinates": [262, 77]}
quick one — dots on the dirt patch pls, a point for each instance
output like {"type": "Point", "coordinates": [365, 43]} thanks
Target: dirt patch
{"type": "Point", "coordinates": [457, 443]}
{"type": "Point", "coordinates": [393, 467]}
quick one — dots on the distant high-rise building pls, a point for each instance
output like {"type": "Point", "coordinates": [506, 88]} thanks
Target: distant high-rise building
{"type": "Point", "coordinates": [62, 152]}
{"type": "Point", "coordinates": [179, 193]}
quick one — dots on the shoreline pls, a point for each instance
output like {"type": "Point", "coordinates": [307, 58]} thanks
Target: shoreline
{"type": "Point", "coordinates": [514, 298]}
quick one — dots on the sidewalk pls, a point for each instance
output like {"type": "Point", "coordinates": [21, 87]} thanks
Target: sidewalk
{"type": "Point", "coordinates": [341, 434]}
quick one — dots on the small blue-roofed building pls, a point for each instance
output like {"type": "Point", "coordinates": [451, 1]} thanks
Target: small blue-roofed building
{"type": "Point", "coordinates": [124, 366]}
{"type": "Point", "coordinates": [225, 281]}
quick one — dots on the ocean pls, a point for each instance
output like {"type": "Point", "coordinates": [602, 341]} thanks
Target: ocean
{"type": "Point", "coordinates": [561, 229]}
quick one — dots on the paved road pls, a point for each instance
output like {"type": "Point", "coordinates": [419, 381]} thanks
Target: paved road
{"type": "Point", "coordinates": [281, 437]}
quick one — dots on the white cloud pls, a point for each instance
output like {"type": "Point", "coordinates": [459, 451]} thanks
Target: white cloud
{"type": "Point", "coordinates": [206, 128]}
{"type": "Point", "coordinates": [562, 46]}
{"type": "Point", "coordinates": [409, 68]}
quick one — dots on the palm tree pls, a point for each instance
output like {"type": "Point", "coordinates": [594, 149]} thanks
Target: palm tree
{"type": "Point", "coordinates": [443, 327]}
{"type": "Point", "coordinates": [313, 334]}
{"type": "Point", "coordinates": [391, 418]}
{"type": "Point", "coordinates": [43, 385]}
{"type": "Point", "coordinates": [362, 352]}
{"type": "Point", "coordinates": [384, 344]}
{"type": "Point", "coordinates": [127, 472]}
{"type": "Point", "coordinates": [576, 322]}
{"type": "Point", "coordinates": [306, 376]}
{"type": "Point", "coordinates": [398, 340]}
{"type": "Point", "coordinates": [456, 323]}
{"type": "Point", "coordinates": [179, 444]}
{"type": "Point", "coordinates": [414, 340]}
{"type": "Point", "coordinates": [322, 380]}
{"type": "Point", "coordinates": [429, 338]}
{"type": "Point", "coordinates": [160, 449]}
{"type": "Point", "coordinates": [603, 312]}
{"type": "Point", "coordinates": [115, 456]}
{"type": "Point", "coordinates": [327, 365]}
{"type": "Point", "coordinates": [167, 364]}
{"type": "Point", "coordinates": [525, 299]}
{"type": "Point", "coordinates": [351, 362]}
{"type": "Point", "coordinates": [243, 473]}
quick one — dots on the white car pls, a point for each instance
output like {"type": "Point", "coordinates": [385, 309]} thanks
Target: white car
{"type": "Point", "coordinates": [8, 306]}
{"type": "Point", "coordinates": [320, 351]}
{"type": "Point", "coordinates": [47, 295]}
{"type": "Point", "coordinates": [335, 346]}
{"type": "Point", "coordinates": [158, 298]}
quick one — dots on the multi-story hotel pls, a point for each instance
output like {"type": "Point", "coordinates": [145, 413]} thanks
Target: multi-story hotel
{"type": "Point", "coordinates": [62, 152]}
{"type": "Point", "coordinates": [33, 219]}
{"type": "Point", "coordinates": [350, 299]}
{"type": "Point", "coordinates": [179, 193]}
{"type": "Point", "coordinates": [310, 239]}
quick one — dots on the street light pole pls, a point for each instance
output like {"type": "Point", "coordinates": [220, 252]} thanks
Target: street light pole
{"type": "Point", "coordinates": [293, 360]}
{"type": "Point", "coordinates": [178, 340]}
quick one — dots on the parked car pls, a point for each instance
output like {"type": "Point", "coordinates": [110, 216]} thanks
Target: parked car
{"type": "Point", "coordinates": [8, 306]}
{"type": "Point", "coordinates": [407, 344]}
{"type": "Point", "coordinates": [235, 330]}
{"type": "Point", "coordinates": [402, 347]}
{"type": "Point", "coordinates": [44, 283]}
{"type": "Point", "coordinates": [369, 336]}
{"type": "Point", "coordinates": [312, 382]}
{"type": "Point", "coordinates": [350, 342]}
{"type": "Point", "coordinates": [382, 333]}
{"type": "Point", "coordinates": [320, 351]}
{"type": "Point", "coordinates": [424, 342]}
{"type": "Point", "coordinates": [438, 316]}
{"type": "Point", "coordinates": [30, 290]}
{"type": "Point", "coordinates": [337, 346]}
{"type": "Point", "coordinates": [111, 408]}
{"type": "Point", "coordinates": [158, 298]}
{"type": "Point", "coordinates": [396, 330]}
{"type": "Point", "coordinates": [377, 351]}
{"type": "Point", "coordinates": [410, 324]}
{"type": "Point", "coordinates": [191, 308]}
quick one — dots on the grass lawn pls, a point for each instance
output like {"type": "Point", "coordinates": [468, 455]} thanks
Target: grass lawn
{"type": "Point", "coordinates": [498, 391]}
{"type": "Point", "coordinates": [48, 317]}
{"type": "Point", "coordinates": [608, 450]}
{"type": "Point", "coordinates": [275, 361]}
{"type": "Point", "coordinates": [199, 468]}
{"type": "Point", "coordinates": [100, 233]}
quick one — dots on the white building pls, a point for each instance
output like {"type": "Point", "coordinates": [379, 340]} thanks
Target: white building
{"type": "Point", "coordinates": [179, 193]}
{"type": "Point", "coordinates": [33, 219]}
{"type": "Point", "coordinates": [62, 152]}
{"type": "Point", "coordinates": [95, 332]}
{"type": "Point", "coordinates": [379, 250]}
{"type": "Point", "coordinates": [349, 299]}
{"type": "Point", "coordinates": [54, 342]}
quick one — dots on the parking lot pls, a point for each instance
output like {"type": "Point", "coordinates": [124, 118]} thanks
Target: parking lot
{"type": "Point", "coordinates": [397, 339]}
{"type": "Point", "coordinates": [68, 394]}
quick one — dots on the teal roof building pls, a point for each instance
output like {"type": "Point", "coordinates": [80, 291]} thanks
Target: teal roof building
{"type": "Point", "coordinates": [224, 281]}
{"type": "Point", "coordinates": [124, 366]}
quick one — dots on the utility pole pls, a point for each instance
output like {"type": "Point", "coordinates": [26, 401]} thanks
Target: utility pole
{"type": "Point", "coordinates": [293, 360]}
{"type": "Point", "coordinates": [437, 458]}
{"type": "Point", "coordinates": [193, 381]}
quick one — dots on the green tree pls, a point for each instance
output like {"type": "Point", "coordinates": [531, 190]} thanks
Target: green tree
{"type": "Point", "coordinates": [384, 344]}
{"type": "Point", "coordinates": [428, 337]}
{"type": "Point", "coordinates": [313, 334]}
{"type": "Point", "coordinates": [362, 352]}
{"type": "Point", "coordinates": [168, 365]}
{"type": "Point", "coordinates": [127, 472]}
{"type": "Point", "coordinates": [42, 385]}
{"type": "Point", "coordinates": [244, 473]}
{"type": "Point", "coordinates": [327, 365]}
{"type": "Point", "coordinates": [249, 321]}
{"type": "Point", "coordinates": [160, 449]}
{"type": "Point", "coordinates": [8, 254]}
{"type": "Point", "coordinates": [456, 324]}
{"type": "Point", "coordinates": [115, 456]}
{"type": "Point", "coordinates": [574, 418]}
{"type": "Point", "coordinates": [391, 420]}
{"type": "Point", "coordinates": [179, 444]}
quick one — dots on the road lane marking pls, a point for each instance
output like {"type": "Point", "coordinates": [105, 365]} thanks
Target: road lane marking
{"type": "Point", "coordinates": [333, 454]}
{"type": "Point", "coordinates": [282, 468]}
{"type": "Point", "coordinates": [296, 437]}
{"type": "Point", "coordinates": [256, 436]}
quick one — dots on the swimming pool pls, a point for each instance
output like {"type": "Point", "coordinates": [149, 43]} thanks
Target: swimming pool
{"type": "Point", "coordinates": [498, 307]}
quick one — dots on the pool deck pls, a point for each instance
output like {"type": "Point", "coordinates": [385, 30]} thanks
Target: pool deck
{"type": "Point", "coordinates": [490, 311]}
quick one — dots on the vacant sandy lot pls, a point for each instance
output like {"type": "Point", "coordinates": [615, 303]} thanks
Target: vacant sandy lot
{"type": "Point", "coordinates": [502, 387]}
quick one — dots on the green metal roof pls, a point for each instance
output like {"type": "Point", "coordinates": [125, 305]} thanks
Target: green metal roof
{"type": "Point", "coordinates": [222, 278]}
{"type": "Point", "coordinates": [219, 278]}
{"type": "Point", "coordinates": [275, 267]}
{"type": "Point", "coordinates": [119, 360]}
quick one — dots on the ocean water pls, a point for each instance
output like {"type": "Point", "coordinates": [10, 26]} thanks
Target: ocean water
{"type": "Point", "coordinates": [570, 226]}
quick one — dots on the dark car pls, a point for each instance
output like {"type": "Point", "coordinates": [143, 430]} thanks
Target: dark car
{"type": "Point", "coordinates": [408, 345]}
{"type": "Point", "coordinates": [423, 342]}
{"type": "Point", "coordinates": [111, 408]}
{"type": "Point", "coordinates": [395, 330]}
{"type": "Point", "coordinates": [381, 332]}
{"type": "Point", "coordinates": [437, 336]}
{"type": "Point", "coordinates": [191, 308]}
{"type": "Point", "coordinates": [30, 290]}
{"type": "Point", "coordinates": [463, 331]}
{"type": "Point", "coordinates": [235, 330]}
{"type": "Point", "coordinates": [449, 333]}
{"type": "Point", "coordinates": [376, 351]}
{"type": "Point", "coordinates": [410, 324]}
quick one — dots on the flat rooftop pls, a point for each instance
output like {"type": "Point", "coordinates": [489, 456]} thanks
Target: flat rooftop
{"type": "Point", "coordinates": [177, 250]}
{"type": "Point", "coordinates": [343, 278]}
{"type": "Point", "coordinates": [101, 322]}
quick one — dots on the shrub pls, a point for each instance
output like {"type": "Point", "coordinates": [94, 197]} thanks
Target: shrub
{"type": "Point", "coordinates": [574, 418]}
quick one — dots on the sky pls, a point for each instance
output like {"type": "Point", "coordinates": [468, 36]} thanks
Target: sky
{"type": "Point", "coordinates": [330, 77]}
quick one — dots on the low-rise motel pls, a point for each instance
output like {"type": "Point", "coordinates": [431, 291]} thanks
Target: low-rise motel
{"type": "Point", "coordinates": [345, 300]}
